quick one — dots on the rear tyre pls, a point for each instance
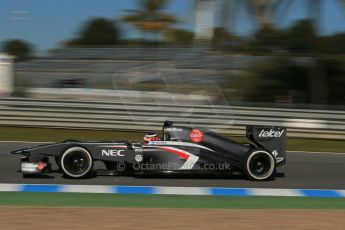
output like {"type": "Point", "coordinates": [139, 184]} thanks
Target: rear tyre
{"type": "Point", "coordinates": [76, 162]}
{"type": "Point", "coordinates": [259, 165]}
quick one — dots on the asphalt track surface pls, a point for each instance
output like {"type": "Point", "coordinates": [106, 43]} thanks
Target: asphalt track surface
{"type": "Point", "coordinates": [303, 170]}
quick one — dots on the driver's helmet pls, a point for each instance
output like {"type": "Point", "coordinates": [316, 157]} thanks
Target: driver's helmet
{"type": "Point", "coordinates": [151, 136]}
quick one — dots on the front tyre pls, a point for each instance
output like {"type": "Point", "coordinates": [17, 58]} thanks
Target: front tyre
{"type": "Point", "coordinates": [259, 165]}
{"type": "Point", "coordinates": [76, 162]}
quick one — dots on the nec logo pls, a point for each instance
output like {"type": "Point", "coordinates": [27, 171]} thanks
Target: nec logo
{"type": "Point", "coordinates": [112, 153]}
{"type": "Point", "coordinates": [271, 133]}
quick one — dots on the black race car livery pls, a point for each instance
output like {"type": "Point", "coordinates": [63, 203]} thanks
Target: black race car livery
{"type": "Point", "coordinates": [180, 150]}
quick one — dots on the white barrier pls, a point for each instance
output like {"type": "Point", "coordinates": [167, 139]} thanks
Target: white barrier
{"type": "Point", "coordinates": [148, 116]}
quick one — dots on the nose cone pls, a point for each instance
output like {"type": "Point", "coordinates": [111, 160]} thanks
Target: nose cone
{"type": "Point", "coordinates": [20, 151]}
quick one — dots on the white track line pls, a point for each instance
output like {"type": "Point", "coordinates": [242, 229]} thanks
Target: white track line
{"type": "Point", "coordinates": [274, 192]}
{"type": "Point", "coordinates": [182, 190]}
{"type": "Point", "coordinates": [88, 188]}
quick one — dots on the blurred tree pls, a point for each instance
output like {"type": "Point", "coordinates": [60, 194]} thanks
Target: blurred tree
{"type": "Point", "coordinates": [318, 78]}
{"type": "Point", "coordinates": [334, 69]}
{"type": "Point", "coordinates": [302, 37]}
{"type": "Point", "coordinates": [220, 34]}
{"type": "Point", "coordinates": [227, 41]}
{"type": "Point", "coordinates": [150, 17]}
{"type": "Point", "coordinates": [288, 77]}
{"type": "Point", "coordinates": [179, 37]}
{"type": "Point", "coordinates": [95, 32]}
{"type": "Point", "coordinates": [98, 31]}
{"type": "Point", "coordinates": [276, 77]}
{"type": "Point", "coordinates": [268, 39]}
{"type": "Point", "coordinates": [334, 44]}
{"type": "Point", "coordinates": [265, 13]}
{"type": "Point", "coordinates": [72, 42]}
{"type": "Point", "coordinates": [18, 48]}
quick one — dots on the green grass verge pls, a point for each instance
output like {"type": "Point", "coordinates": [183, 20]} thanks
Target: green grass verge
{"type": "Point", "coordinates": [167, 201]}
{"type": "Point", "coordinates": [41, 134]}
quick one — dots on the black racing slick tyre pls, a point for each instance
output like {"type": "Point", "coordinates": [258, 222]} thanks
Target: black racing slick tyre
{"type": "Point", "coordinates": [259, 165]}
{"type": "Point", "coordinates": [76, 162]}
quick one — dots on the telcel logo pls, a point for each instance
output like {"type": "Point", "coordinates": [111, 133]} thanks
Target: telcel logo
{"type": "Point", "coordinates": [112, 153]}
{"type": "Point", "coordinates": [271, 133]}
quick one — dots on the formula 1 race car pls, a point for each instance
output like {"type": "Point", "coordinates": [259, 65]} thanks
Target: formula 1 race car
{"type": "Point", "coordinates": [183, 150]}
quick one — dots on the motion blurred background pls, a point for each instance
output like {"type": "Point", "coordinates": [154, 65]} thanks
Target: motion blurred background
{"type": "Point", "coordinates": [249, 53]}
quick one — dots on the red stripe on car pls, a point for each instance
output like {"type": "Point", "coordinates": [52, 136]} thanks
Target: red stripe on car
{"type": "Point", "coordinates": [176, 152]}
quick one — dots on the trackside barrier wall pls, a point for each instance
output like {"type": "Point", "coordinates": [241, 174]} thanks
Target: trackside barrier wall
{"type": "Point", "coordinates": [150, 116]}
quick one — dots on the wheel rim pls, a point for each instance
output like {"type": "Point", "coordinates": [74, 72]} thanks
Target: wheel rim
{"type": "Point", "coordinates": [260, 165]}
{"type": "Point", "coordinates": [76, 162]}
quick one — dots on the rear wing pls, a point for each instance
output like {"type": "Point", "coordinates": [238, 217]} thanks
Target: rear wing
{"type": "Point", "coordinates": [271, 138]}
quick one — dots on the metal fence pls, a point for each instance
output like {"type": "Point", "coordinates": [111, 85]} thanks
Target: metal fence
{"type": "Point", "coordinates": [150, 116]}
